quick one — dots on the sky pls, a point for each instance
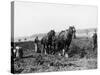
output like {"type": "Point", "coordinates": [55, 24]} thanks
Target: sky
{"type": "Point", "coordinates": [34, 18]}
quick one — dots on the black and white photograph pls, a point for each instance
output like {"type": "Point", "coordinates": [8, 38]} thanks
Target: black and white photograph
{"type": "Point", "coordinates": [50, 37]}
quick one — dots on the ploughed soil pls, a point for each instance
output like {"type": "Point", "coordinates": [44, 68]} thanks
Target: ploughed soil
{"type": "Point", "coordinates": [81, 57]}
{"type": "Point", "coordinates": [47, 63]}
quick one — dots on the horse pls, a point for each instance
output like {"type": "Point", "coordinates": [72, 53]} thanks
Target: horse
{"type": "Point", "coordinates": [46, 42]}
{"type": "Point", "coordinates": [63, 41]}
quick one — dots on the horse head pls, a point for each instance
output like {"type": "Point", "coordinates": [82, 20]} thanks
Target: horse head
{"type": "Point", "coordinates": [71, 30]}
{"type": "Point", "coordinates": [51, 33]}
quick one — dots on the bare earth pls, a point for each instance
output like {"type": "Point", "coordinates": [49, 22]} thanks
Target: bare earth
{"type": "Point", "coordinates": [36, 62]}
{"type": "Point", "coordinates": [49, 63]}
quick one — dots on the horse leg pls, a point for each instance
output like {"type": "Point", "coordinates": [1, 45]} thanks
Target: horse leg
{"type": "Point", "coordinates": [66, 51]}
{"type": "Point", "coordinates": [49, 49]}
{"type": "Point", "coordinates": [45, 49]}
{"type": "Point", "coordinates": [54, 49]}
{"type": "Point", "coordinates": [63, 52]}
{"type": "Point", "coordinates": [35, 47]}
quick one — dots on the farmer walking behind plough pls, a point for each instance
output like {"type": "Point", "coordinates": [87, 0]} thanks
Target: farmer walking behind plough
{"type": "Point", "coordinates": [36, 44]}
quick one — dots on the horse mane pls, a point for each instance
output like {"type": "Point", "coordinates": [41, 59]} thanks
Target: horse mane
{"type": "Point", "coordinates": [63, 34]}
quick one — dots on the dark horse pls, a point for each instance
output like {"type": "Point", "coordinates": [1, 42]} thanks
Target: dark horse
{"type": "Point", "coordinates": [63, 41]}
{"type": "Point", "coordinates": [46, 42]}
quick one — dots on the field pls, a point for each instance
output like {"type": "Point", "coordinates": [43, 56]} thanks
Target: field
{"type": "Point", "coordinates": [81, 57]}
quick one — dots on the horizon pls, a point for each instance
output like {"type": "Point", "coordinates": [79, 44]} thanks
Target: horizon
{"type": "Point", "coordinates": [78, 31]}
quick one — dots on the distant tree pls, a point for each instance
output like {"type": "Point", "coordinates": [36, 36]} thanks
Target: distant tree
{"type": "Point", "coordinates": [19, 40]}
{"type": "Point", "coordinates": [87, 32]}
{"type": "Point", "coordinates": [25, 39]}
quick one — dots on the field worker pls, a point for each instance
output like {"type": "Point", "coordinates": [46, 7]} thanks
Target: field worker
{"type": "Point", "coordinates": [74, 33]}
{"type": "Point", "coordinates": [94, 40]}
{"type": "Point", "coordinates": [36, 44]}
{"type": "Point", "coordinates": [19, 52]}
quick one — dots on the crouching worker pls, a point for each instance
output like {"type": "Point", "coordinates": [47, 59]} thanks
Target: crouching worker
{"type": "Point", "coordinates": [19, 52]}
